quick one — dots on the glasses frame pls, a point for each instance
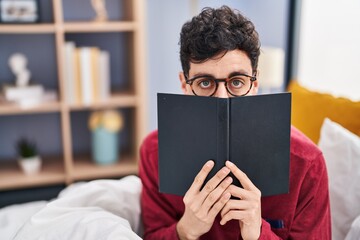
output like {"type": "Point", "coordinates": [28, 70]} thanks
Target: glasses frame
{"type": "Point", "coordinates": [224, 80]}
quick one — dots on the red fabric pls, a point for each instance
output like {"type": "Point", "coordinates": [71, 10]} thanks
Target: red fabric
{"type": "Point", "coordinates": [305, 211]}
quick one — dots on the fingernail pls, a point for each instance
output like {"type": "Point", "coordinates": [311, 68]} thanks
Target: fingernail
{"type": "Point", "coordinates": [210, 163]}
{"type": "Point", "coordinates": [225, 170]}
{"type": "Point", "coordinates": [227, 195]}
{"type": "Point", "coordinates": [229, 180]}
{"type": "Point", "coordinates": [230, 164]}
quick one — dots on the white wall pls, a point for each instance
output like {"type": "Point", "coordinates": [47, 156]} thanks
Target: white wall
{"type": "Point", "coordinates": [329, 48]}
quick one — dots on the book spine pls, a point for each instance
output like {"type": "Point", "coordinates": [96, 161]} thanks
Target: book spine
{"type": "Point", "coordinates": [104, 75]}
{"type": "Point", "coordinates": [95, 53]}
{"type": "Point", "coordinates": [77, 77]}
{"type": "Point", "coordinates": [85, 69]}
{"type": "Point", "coordinates": [223, 146]}
{"type": "Point", "coordinates": [69, 65]}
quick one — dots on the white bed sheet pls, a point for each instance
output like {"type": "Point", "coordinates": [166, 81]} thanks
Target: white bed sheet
{"type": "Point", "coordinates": [13, 217]}
{"type": "Point", "coordinates": [100, 209]}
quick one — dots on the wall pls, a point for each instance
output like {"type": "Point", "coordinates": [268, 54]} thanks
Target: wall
{"type": "Point", "coordinates": [329, 47]}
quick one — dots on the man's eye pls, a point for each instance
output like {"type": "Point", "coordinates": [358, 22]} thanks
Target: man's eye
{"type": "Point", "coordinates": [205, 83]}
{"type": "Point", "coordinates": [237, 83]}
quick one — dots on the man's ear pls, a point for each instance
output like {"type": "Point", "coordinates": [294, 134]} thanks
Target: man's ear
{"type": "Point", "coordinates": [183, 82]}
{"type": "Point", "coordinates": [255, 86]}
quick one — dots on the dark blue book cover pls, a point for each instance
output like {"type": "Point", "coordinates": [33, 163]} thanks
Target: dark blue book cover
{"type": "Point", "coordinates": [252, 131]}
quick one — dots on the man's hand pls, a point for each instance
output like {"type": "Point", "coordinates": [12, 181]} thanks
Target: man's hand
{"type": "Point", "coordinates": [246, 209]}
{"type": "Point", "coordinates": [201, 207]}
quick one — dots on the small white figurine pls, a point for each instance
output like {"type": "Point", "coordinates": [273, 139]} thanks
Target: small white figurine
{"type": "Point", "coordinates": [100, 10]}
{"type": "Point", "coordinates": [17, 63]}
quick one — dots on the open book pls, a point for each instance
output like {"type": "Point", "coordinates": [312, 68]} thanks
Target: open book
{"type": "Point", "coordinates": [253, 132]}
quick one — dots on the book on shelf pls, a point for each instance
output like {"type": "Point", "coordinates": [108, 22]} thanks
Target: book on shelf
{"type": "Point", "coordinates": [86, 73]}
{"type": "Point", "coordinates": [104, 75]}
{"type": "Point", "coordinates": [95, 77]}
{"type": "Point", "coordinates": [15, 93]}
{"type": "Point", "coordinates": [253, 132]}
{"type": "Point", "coordinates": [77, 82]}
{"type": "Point", "coordinates": [27, 96]}
{"type": "Point", "coordinates": [69, 72]}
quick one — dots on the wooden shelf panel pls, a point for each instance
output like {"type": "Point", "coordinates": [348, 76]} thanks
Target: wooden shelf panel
{"type": "Point", "coordinates": [85, 168]}
{"type": "Point", "coordinates": [12, 177]}
{"type": "Point", "coordinates": [83, 27]}
{"type": "Point", "coordinates": [116, 100]}
{"type": "Point", "coordinates": [27, 28]}
{"type": "Point", "coordinates": [7, 108]}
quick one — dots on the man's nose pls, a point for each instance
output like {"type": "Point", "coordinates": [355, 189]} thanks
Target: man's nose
{"type": "Point", "coordinates": [221, 91]}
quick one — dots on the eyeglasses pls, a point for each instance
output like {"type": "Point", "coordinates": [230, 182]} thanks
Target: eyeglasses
{"type": "Point", "coordinates": [237, 85]}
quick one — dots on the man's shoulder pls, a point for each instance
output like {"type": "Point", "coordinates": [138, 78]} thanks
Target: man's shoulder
{"type": "Point", "coordinates": [301, 146]}
{"type": "Point", "coordinates": [150, 142]}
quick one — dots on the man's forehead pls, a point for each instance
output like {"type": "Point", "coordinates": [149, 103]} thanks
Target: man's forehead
{"type": "Point", "coordinates": [232, 61]}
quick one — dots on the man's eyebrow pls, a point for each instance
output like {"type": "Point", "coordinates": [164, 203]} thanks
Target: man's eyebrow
{"type": "Point", "coordinates": [241, 72]}
{"type": "Point", "coordinates": [232, 74]}
{"type": "Point", "coordinates": [201, 74]}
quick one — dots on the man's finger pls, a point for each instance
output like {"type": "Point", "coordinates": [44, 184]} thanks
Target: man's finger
{"type": "Point", "coordinates": [214, 182]}
{"type": "Point", "coordinates": [216, 193]}
{"type": "Point", "coordinates": [200, 177]}
{"type": "Point", "coordinates": [235, 204]}
{"type": "Point", "coordinates": [219, 205]}
{"type": "Point", "coordinates": [233, 214]}
{"type": "Point", "coordinates": [241, 176]}
{"type": "Point", "coordinates": [239, 192]}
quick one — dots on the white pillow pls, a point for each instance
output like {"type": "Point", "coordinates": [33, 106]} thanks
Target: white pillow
{"type": "Point", "coordinates": [341, 150]}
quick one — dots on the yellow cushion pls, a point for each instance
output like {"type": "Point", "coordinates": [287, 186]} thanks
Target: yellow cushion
{"type": "Point", "coordinates": [309, 109]}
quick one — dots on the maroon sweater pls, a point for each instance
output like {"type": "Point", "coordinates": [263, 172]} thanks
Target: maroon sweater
{"type": "Point", "coordinates": [303, 213]}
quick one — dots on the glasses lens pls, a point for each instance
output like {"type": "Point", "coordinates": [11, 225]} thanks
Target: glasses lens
{"type": "Point", "coordinates": [239, 85]}
{"type": "Point", "coordinates": [204, 86]}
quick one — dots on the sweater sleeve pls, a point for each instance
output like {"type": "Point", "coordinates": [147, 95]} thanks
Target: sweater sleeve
{"type": "Point", "coordinates": [158, 215]}
{"type": "Point", "coordinates": [312, 216]}
{"type": "Point", "coordinates": [312, 213]}
{"type": "Point", "coordinates": [266, 232]}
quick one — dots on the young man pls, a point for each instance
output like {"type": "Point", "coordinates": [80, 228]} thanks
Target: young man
{"type": "Point", "coordinates": [219, 51]}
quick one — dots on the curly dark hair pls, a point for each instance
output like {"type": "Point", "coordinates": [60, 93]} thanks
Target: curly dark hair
{"type": "Point", "coordinates": [216, 31]}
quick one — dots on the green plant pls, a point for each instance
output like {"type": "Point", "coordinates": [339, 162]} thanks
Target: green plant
{"type": "Point", "coordinates": [26, 148]}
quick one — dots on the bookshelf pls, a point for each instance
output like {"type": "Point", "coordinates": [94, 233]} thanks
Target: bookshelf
{"type": "Point", "coordinates": [70, 164]}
